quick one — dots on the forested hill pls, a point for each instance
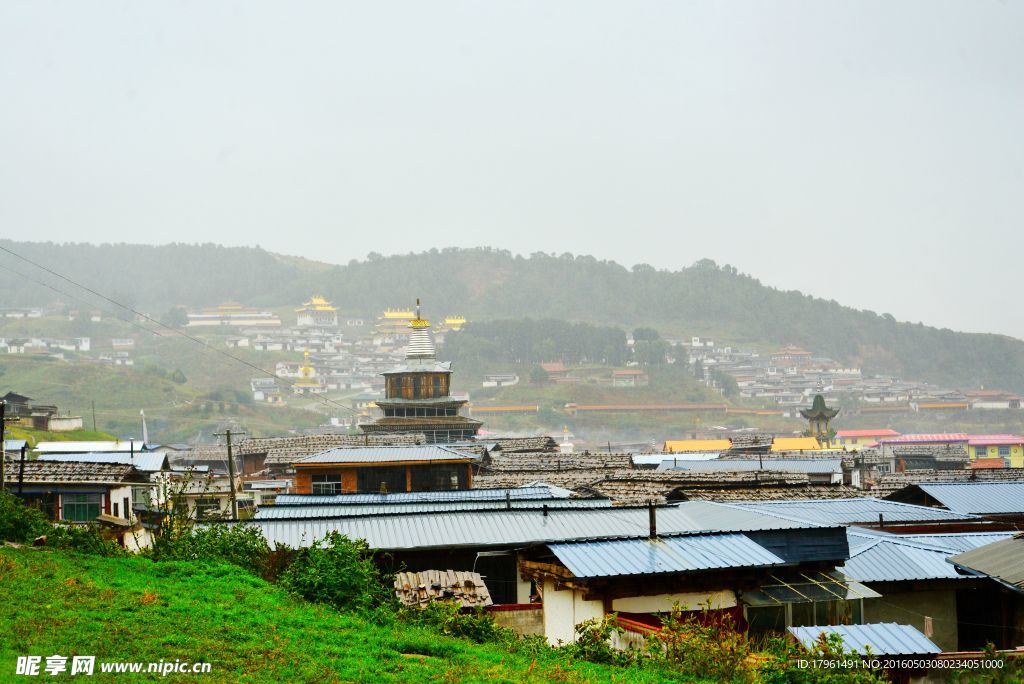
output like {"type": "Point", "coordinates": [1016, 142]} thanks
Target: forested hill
{"type": "Point", "coordinates": [704, 299]}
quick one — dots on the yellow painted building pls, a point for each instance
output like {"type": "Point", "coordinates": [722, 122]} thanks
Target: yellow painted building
{"type": "Point", "coordinates": [317, 312]}
{"type": "Point", "coordinates": [796, 444]}
{"type": "Point", "coordinates": [684, 446]}
{"type": "Point", "coordinates": [1010, 448]}
{"type": "Point", "coordinates": [454, 323]}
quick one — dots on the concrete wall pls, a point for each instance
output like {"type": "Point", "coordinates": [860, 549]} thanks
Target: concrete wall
{"type": "Point", "coordinates": [563, 610]}
{"type": "Point", "coordinates": [908, 608]}
{"type": "Point", "coordinates": [663, 603]}
{"type": "Point", "coordinates": [525, 620]}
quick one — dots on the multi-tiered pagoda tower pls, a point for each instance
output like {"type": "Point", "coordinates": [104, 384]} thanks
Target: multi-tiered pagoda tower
{"type": "Point", "coordinates": [417, 395]}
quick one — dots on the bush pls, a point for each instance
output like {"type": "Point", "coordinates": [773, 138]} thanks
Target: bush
{"type": "Point", "coordinates": [20, 523]}
{"type": "Point", "coordinates": [84, 539]}
{"type": "Point", "coordinates": [337, 571]}
{"type": "Point", "coordinates": [593, 642]}
{"type": "Point", "coordinates": [448, 618]}
{"type": "Point", "coordinates": [713, 647]}
{"type": "Point", "coordinates": [236, 544]}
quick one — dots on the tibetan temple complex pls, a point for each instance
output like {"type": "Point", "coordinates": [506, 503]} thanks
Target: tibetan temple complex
{"type": "Point", "coordinates": [417, 395]}
{"type": "Point", "coordinates": [317, 313]}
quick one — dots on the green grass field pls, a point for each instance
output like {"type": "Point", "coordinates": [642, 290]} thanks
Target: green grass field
{"type": "Point", "coordinates": [132, 609]}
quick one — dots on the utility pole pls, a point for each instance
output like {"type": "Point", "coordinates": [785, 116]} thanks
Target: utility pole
{"type": "Point", "coordinates": [21, 471]}
{"type": "Point", "coordinates": [231, 470]}
{"type": "Point", "coordinates": [94, 415]}
{"type": "Point", "coordinates": [3, 444]}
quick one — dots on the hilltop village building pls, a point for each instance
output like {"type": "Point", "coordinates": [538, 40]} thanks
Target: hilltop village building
{"type": "Point", "coordinates": [788, 377]}
{"type": "Point", "coordinates": [317, 313]}
{"type": "Point", "coordinates": [233, 314]}
{"type": "Point", "coordinates": [417, 397]}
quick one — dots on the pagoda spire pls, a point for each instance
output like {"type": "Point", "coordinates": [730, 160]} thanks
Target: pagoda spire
{"type": "Point", "coordinates": [421, 344]}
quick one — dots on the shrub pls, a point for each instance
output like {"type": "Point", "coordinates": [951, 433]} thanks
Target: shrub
{"type": "Point", "coordinates": [593, 642]}
{"type": "Point", "coordinates": [337, 571]}
{"type": "Point", "coordinates": [701, 644]}
{"type": "Point", "coordinates": [236, 544]}
{"type": "Point", "coordinates": [20, 523]}
{"type": "Point", "coordinates": [84, 539]}
{"type": "Point", "coordinates": [448, 618]}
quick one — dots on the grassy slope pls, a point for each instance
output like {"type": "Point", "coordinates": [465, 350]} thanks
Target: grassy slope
{"type": "Point", "coordinates": [132, 609]}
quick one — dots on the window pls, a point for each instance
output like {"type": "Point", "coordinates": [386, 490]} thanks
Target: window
{"type": "Point", "coordinates": [142, 495]}
{"type": "Point", "coordinates": [439, 478]}
{"type": "Point", "coordinates": [127, 508]}
{"type": "Point", "coordinates": [437, 386]}
{"type": "Point", "coordinates": [1004, 450]}
{"type": "Point", "coordinates": [47, 503]}
{"type": "Point", "coordinates": [116, 510]}
{"type": "Point", "coordinates": [327, 483]}
{"type": "Point", "coordinates": [81, 507]}
{"type": "Point", "coordinates": [207, 507]}
{"type": "Point", "coordinates": [381, 479]}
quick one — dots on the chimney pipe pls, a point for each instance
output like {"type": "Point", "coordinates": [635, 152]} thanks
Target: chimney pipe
{"type": "Point", "coordinates": [881, 521]}
{"type": "Point", "coordinates": [545, 510]}
{"type": "Point", "coordinates": [652, 518]}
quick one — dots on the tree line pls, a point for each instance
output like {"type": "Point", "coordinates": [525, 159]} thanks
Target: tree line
{"type": "Point", "coordinates": [488, 284]}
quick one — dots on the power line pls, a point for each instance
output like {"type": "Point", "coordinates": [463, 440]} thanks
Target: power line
{"type": "Point", "coordinates": [177, 331]}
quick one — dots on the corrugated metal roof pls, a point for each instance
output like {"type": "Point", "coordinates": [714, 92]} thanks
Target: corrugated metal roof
{"type": "Point", "coordinates": [890, 558]}
{"type": "Point", "coordinates": [510, 528]}
{"type": "Point", "coordinates": [994, 440]}
{"type": "Point", "coordinates": [977, 497]}
{"type": "Point", "coordinates": [958, 543]}
{"type": "Point", "coordinates": [1003, 560]}
{"type": "Point", "coordinates": [11, 445]}
{"type": "Point", "coordinates": [663, 555]}
{"type": "Point", "coordinates": [850, 511]}
{"type": "Point", "coordinates": [883, 432]}
{"type": "Point", "coordinates": [884, 639]}
{"type": "Point", "coordinates": [387, 454]}
{"type": "Point", "coordinates": [146, 461]}
{"type": "Point", "coordinates": [292, 512]}
{"type": "Point", "coordinates": [532, 491]}
{"type": "Point", "coordinates": [930, 438]}
{"type": "Point", "coordinates": [819, 466]}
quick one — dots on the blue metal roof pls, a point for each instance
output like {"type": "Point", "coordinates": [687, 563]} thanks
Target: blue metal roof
{"type": "Point", "coordinates": [851, 511]}
{"type": "Point", "coordinates": [891, 558]}
{"type": "Point", "coordinates": [817, 466]}
{"type": "Point", "coordinates": [350, 510]}
{"type": "Point", "coordinates": [518, 527]}
{"type": "Point", "coordinates": [527, 492]}
{"type": "Point", "coordinates": [958, 542]}
{"type": "Point", "coordinates": [885, 639]}
{"type": "Point", "coordinates": [620, 557]}
{"type": "Point", "coordinates": [388, 454]}
{"type": "Point", "coordinates": [983, 498]}
{"type": "Point", "coordinates": [11, 445]}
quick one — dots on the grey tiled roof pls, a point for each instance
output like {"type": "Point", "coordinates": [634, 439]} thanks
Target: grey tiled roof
{"type": "Point", "coordinates": [73, 472]}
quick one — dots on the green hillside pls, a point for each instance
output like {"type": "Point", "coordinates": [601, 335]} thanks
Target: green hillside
{"type": "Point", "coordinates": [132, 609]}
{"type": "Point", "coordinates": [704, 299]}
{"type": "Point", "coordinates": [213, 392]}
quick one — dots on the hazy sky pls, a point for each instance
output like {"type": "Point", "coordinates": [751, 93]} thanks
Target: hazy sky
{"type": "Point", "coordinates": [868, 152]}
